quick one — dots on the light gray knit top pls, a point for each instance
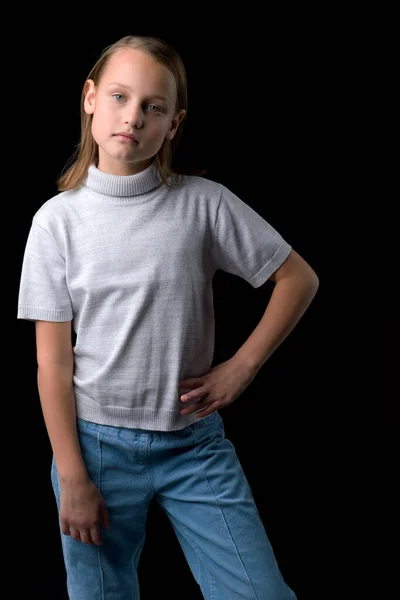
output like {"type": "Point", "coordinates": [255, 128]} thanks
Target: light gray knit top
{"type": "Point", "coordinates": [131, 263]}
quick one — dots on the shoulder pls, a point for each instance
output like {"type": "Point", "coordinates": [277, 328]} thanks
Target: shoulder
{"type": "Point", "coordinates": [200, 186]}
{"type": "Point", "coordinates": [55, 209]}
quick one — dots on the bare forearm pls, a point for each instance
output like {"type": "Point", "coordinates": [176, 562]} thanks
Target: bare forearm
{"type": "Point", "coordinates": [289, 301]}
{"type": "Point", "coordinates": [56, 393]}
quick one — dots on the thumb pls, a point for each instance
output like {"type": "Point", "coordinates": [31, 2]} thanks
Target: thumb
{"type": "Point", "coordinates": [105, 518]}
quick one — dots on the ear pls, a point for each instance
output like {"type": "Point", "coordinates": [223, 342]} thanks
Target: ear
{"type": "Point", "coordinates": [176, 121]}
{"type": "Point", "coordinates": [89, 91]}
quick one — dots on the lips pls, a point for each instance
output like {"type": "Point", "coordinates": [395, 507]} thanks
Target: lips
{"type": "Point", "coordinates": [129, 136]}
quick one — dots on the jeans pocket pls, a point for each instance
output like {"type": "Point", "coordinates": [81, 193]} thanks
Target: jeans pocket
{"type": "Point", "coordinates": [210, 425]}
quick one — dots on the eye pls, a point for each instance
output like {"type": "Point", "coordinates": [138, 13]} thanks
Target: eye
{"type": "Point", "coordinates": [156, 107]}
{"type": "Point", "coordinates": [120, 98]}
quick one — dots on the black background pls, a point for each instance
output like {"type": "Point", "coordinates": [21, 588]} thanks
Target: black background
{"type": "Point", "coordinates": [273, 115]}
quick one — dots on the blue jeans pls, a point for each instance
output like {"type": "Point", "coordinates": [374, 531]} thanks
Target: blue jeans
{"type": "Point", "coordinates": [196, 477]}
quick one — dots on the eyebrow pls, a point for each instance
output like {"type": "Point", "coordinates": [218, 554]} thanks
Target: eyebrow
{"type": "Point", "coordinates": [128, 88]}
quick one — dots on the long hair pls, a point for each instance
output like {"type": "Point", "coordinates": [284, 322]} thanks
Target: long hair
{"type": "Point", "coordinates": [87, 150]}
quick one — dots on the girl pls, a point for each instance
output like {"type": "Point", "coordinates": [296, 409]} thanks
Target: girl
{"type": "Point", "coordinates": [126, 254]}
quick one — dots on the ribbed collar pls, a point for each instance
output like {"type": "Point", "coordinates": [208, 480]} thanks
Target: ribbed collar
{"type": "Point", "coordinates": [123, 186]}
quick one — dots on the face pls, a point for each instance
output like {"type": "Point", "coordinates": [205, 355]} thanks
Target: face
{"type": "Point", "coordinates": [134, 97]}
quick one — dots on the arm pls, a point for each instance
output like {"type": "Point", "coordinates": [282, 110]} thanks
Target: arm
{"type": "Point", "coordinates": [82, 507]}
{"type": "Point", "coordinates": [55, 369]}
{"type": "Point", "coordinates": [295, 286]}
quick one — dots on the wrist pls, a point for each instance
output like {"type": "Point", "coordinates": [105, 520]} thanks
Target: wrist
{"type": "Point", "coordinates": [245, 364]}
{"type": "Point", "coordinates": [76, 477]}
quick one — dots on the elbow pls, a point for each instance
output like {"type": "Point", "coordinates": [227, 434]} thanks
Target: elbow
{"type": "Point", "coordinates": [312, 281]}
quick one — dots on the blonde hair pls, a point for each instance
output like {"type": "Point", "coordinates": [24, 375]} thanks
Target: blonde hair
{"type": "Point", "coordinates": [86, 152]}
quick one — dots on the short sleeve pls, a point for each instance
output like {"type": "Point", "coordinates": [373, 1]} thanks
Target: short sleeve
{"type": "Point", "coordinates": [43, 291]}
{"type": "Point", "coordinates": [244, 243]}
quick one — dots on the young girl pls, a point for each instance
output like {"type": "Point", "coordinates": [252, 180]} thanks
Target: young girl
{"type": "Point", "coordinates": [126, 254]}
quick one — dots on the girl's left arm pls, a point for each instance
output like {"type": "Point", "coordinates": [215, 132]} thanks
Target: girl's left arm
{"type": "Point", "coordinates": [295, 287]}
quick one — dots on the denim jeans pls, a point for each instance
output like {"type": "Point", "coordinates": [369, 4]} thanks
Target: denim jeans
{"type": "Point", "coordinates": [196, 477]}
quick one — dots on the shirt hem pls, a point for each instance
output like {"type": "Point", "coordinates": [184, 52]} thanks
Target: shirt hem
{"type": "Point", "coordinates": [150, 419]}
{"type": "Point", "coordinates": [33, 313]}
{"type": "Point", "coordinates": [272, 265]}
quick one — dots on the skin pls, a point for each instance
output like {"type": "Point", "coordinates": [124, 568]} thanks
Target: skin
{"type": "Point", "coordinates": [131, 106]}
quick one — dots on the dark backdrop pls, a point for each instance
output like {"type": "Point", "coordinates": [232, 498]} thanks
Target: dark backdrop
{"type": "Point", "coordinates": [266, 118]}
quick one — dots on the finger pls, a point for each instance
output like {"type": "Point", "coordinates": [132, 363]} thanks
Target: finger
{"type": "Point", "coordinates": [105, 518]}
{"type": "Point", "coordinates": [187, 410]}
{"type": "Point", "coordinates": [85, 536]}
{"type": "Point", "coordinates": [194, 408]}
{"type": "Point", "coordinates": [95, 536]}
{"type": "Point", "coordinates": [75, 534]}
{"type": "Point", "coordinates": [206, 412]}
{"type": "Point", "coordinates": [196, 394]}
{"type": "Point", "coordinates": [198, 400]}
{"type": "Point", "coordinates": [65, 528]}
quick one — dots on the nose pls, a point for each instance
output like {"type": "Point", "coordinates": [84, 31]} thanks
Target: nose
{"type": "Point", "coordinates": [134, 116]}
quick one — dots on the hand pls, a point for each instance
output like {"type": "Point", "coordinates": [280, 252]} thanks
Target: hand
{"type": "Point", "coordinates": [82, 511]}
{"type": "Point", "coordinates": [217, 388]}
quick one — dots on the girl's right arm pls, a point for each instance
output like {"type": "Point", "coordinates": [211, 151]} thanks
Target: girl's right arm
{"type": "Point", "coordinates": [55, 384]}
{"type": "Point", "coordinates": [83, 510]}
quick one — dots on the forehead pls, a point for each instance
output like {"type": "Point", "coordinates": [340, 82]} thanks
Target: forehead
{"type": "Point", "coordinates": [135, 68]}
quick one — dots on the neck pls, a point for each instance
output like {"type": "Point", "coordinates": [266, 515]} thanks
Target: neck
{"type": "Point", "coordinates": [125, 187]}
{"type": "Point", "coordinates": [116, 167]}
